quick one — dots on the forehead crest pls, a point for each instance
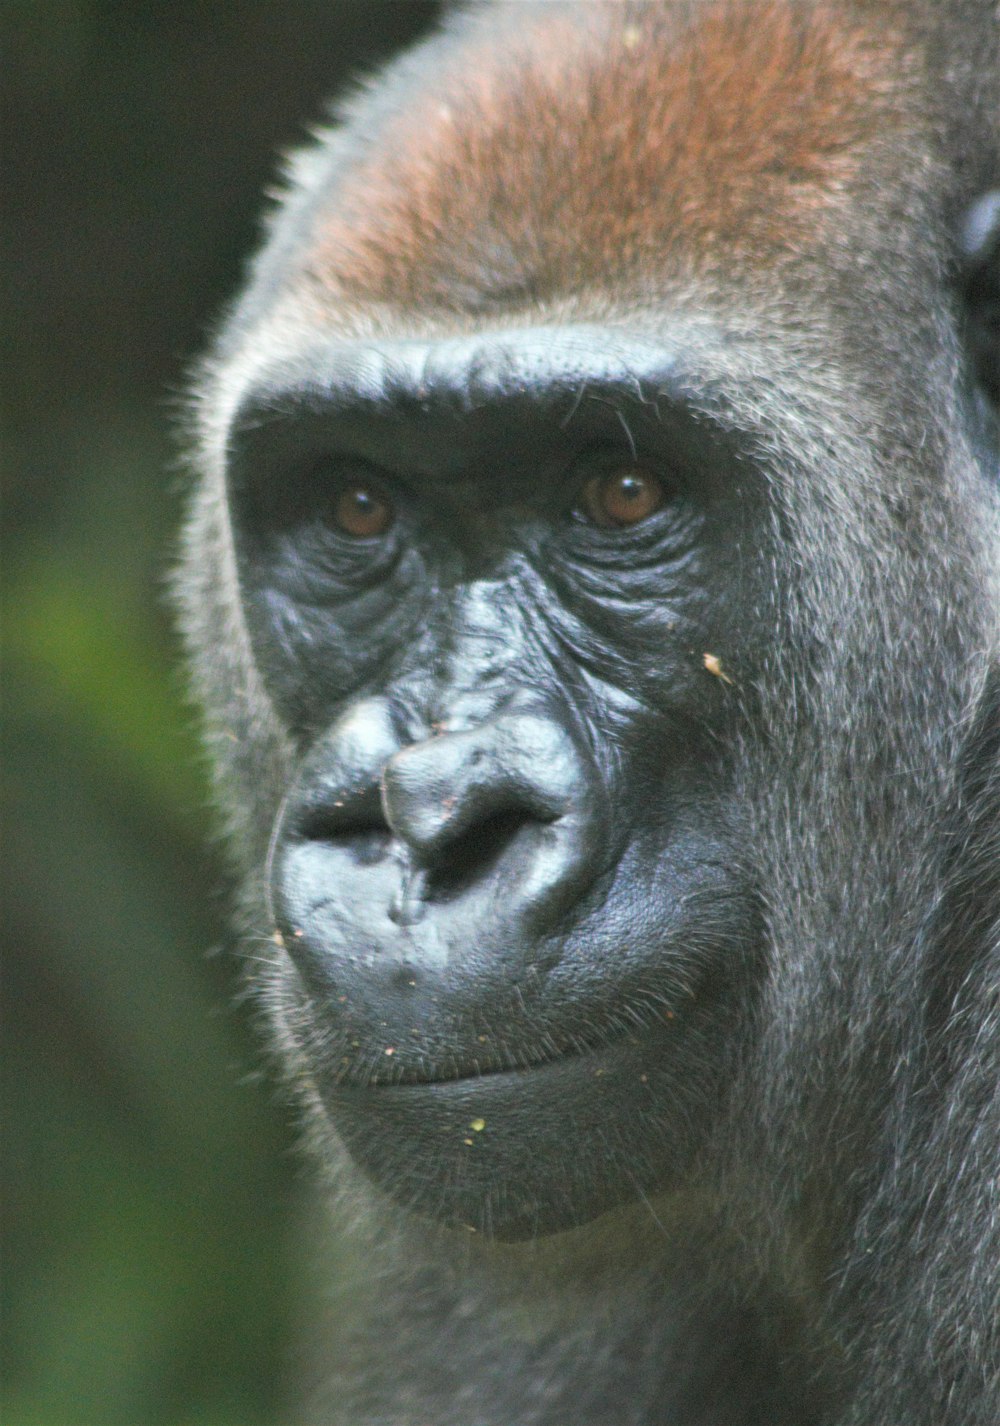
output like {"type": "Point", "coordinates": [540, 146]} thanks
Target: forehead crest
{"type": "Point", "coordinates": [565, 146]}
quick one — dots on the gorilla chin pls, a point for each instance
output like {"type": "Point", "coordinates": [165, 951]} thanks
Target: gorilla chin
{"type": "Point", "coordinates": [518, 1153]}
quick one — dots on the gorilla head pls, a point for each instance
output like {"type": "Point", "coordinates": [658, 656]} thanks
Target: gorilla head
{"type": "Point", "coordinates": [593, 586]}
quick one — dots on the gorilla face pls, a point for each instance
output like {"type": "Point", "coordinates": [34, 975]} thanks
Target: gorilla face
{"type": "Point", "coordinates": [497, 586]}
{"type": "Point", "coordinates": [592, 585]}
{"type": "Point", "coordinates": [592, 582]}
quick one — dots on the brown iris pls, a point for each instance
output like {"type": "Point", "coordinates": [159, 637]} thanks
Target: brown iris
{"type": "Point", "coordinates": [362, 511]}
{"type": "Point", "coordinates": [622, 497]}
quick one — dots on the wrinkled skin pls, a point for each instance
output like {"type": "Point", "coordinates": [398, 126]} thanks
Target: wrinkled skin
{"type": "Point", "coordinates": [593, 585]}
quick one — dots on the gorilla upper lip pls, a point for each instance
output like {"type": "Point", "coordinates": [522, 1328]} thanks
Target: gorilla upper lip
{"type": "Point", "coordinates": [441, 1075]}
{"type": "Point", "coordinates": [379, 1076]}
{"type": "Point", "coordinates": [395, 1066]}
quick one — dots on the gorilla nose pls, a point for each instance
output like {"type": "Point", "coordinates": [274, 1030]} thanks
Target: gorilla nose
{"type": "Point", "coordinates": [459, 797]}
{"type": "Point", "coordinates": [390, 863]}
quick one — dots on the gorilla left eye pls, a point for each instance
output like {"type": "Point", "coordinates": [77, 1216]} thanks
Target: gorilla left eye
{"type": "Point", "coordinates": [362, 511]}
{"type": "Point", "coordinates": [622, 497]}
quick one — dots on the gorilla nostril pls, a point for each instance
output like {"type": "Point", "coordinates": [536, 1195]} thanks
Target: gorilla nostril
{"type": "Point", "coordinates": [459, 800]}
{"type": "Point", "coordinates": [460, 864]}
{"type": "Point", "coordinates": [353, 823]}
{"type": "Point", "coordinates": [367, 845]}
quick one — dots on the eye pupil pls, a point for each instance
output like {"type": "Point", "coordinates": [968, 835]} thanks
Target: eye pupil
{"type": "Point", "coordinates": [362, 512]}
{"type": "Point", "coordinates": [630, 488]}
{"type": "Point", "coordinates": [622, 497]}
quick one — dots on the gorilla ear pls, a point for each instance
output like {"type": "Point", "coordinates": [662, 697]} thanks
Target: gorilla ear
{"type": "Point", "coordinates": [980, 245]}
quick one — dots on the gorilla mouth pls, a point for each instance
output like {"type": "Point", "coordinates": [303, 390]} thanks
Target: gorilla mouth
{"type": "Point", "coordinates": [393, 1068]}
{"type": "Point", "coordinates": [398, 1066]}
{"type": "Point", "coordinates": [518, 1151]}
{"type": "Point", "coordinates": [526, 1063]}
{"type": "Point", "coordinates": [600, 1064]}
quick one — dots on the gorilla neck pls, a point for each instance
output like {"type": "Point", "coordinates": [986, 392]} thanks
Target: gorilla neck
{"type": "Point", "coordinates": [531, 1326]}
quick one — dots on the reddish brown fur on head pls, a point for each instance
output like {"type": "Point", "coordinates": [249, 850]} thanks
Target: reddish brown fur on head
{"type": "Point", "coordinates": [570, 146]}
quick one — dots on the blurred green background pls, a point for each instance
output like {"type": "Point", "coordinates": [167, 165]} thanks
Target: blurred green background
{"type": "Point", "coordinates": [151, 1200]}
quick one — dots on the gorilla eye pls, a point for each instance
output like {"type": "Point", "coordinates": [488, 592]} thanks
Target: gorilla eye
{"type": "Point", "coordinates": [361, 511]}
{"type": "Point", "coordinates": [622, 497]}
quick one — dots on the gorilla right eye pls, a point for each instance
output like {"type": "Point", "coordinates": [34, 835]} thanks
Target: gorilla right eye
{"type": "Point", "coordinates": [622, 497]}
{"type": "Point", "coordinates": [361, 511]}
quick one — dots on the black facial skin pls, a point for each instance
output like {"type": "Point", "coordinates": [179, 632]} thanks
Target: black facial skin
{"type": "Point", "coordinates": [483, 691]}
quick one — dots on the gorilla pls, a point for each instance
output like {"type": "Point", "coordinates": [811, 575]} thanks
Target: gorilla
{"type": "Point", "coordinates": [592, 584]}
